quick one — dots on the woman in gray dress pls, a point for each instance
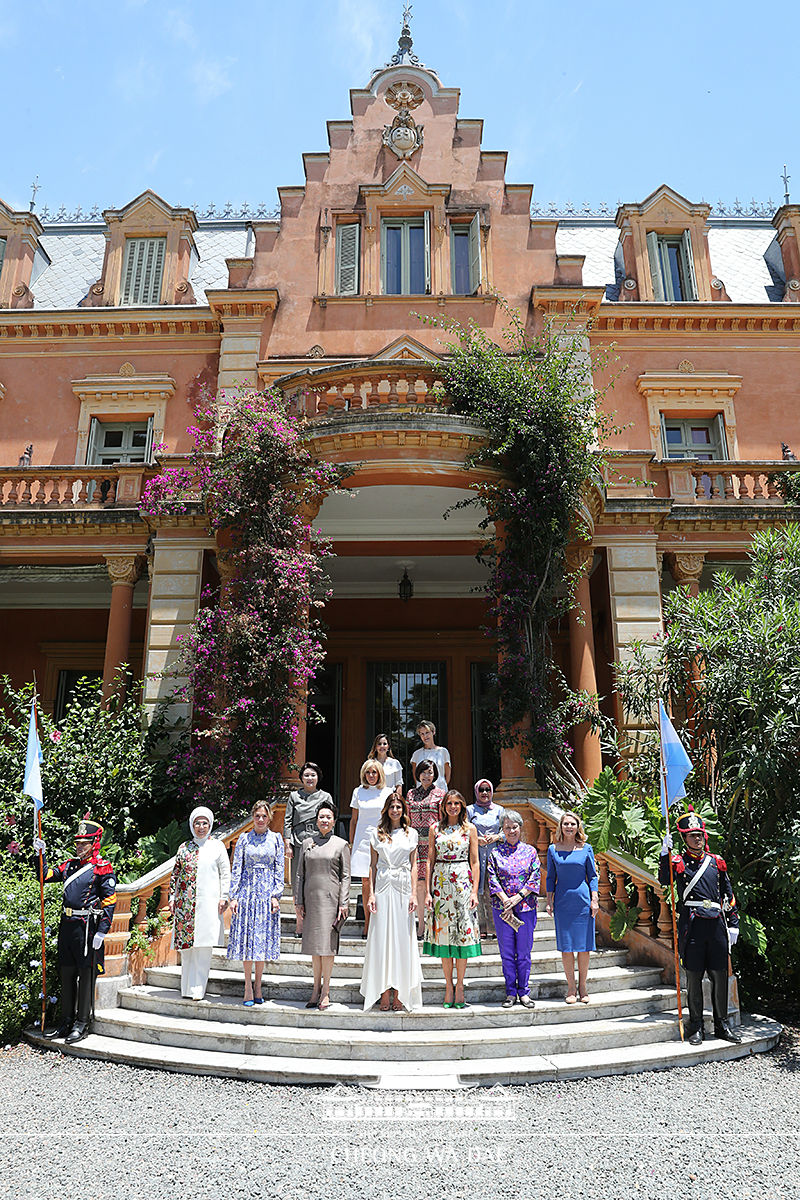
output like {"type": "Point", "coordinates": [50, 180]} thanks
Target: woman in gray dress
{"type": "Point", "coordinates": [322, 899]}
{"type": "Point", "coordinates": [300, 821]}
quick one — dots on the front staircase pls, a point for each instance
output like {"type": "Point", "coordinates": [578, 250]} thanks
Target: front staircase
{"type": "Point", "coordinates": [630, 1024]}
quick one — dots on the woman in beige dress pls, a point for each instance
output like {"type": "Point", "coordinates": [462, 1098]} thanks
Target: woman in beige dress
{"type": "Point", "coordinates": [322, 899]}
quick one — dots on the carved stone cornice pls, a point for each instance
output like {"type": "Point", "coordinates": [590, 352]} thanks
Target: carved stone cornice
{"type": "Point", "coordinates": [686, 568]}
{"type": "Point", "coordinates": [576, 303]}
{"type": "Point", "coordinates": [693, 317]}
{"type": "Point", "coordinates": [123, 568]}
{"type": "Point", "coordinates": [254, 304]}
{"type": "Point", "coordinates": [578, 556]}
{"type": "Point", "coordinates": [78, 324]}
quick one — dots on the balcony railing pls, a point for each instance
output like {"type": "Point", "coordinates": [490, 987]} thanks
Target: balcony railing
{"type": "Point", "coordinates": [404, 385]}
{"type": "Point", "coordinates": [638, 475]}
{"type": "Point", "coordinates": [70, 488]}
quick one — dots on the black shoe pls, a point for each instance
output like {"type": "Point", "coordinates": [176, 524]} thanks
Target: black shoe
{"type": "Point", "coordinates": [61, 1032]}
{"type": "Point", "coordinates": [76, 1034]}
{"type": "Point", "coordinates": [724, 1031]}
{"type": "Point", "coordinates": [696, 1037]}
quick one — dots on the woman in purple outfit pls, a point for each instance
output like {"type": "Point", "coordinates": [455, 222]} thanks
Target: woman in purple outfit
{"type": "Point", "coordinates": [572, 899]}
{"type": "Point", "coordinates": [513, 874]}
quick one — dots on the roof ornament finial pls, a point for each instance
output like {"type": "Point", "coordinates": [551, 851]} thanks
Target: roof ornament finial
{"type": "Point", "coordinates": [404, 55]}
{"type": "Point", "coordinates": [36, 187]}
{"type": "Point", "coordinates": [785, 179]}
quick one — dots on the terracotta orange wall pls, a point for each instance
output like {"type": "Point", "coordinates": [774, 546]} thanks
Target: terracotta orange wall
{"type": "Point", "coordinates": [22, 633]}
{"type": "Point", "coordinates": [767, 405]}
{"type": "Point", "coordinates": [41, 407]}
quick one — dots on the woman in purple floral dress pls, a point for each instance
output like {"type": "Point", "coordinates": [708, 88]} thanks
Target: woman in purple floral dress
{"type": "Point", "coordinates": [513, 875]}
{"type": "Point", "coordinates": [256, 890]}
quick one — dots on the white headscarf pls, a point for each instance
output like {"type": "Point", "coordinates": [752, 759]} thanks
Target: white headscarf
{"type": "Point", "coordinates": [201, 812]}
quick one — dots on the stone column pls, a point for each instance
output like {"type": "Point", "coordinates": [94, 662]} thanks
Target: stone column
{"type": "Point", "coordinates": [588, 756]}
{"type": "Point", "coordinates": [686, 570]}
{"type": "Point", "coordinates": [123, 570]}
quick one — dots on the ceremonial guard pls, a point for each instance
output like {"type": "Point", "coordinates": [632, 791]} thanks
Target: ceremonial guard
{"type": "Point", "coordinates": [86, 915]}
{"type": "Point", "coordinates": [708, 924]}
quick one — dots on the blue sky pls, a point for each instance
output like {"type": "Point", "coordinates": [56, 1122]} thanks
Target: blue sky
{"type": "Point", "coordinates": [204, 102]}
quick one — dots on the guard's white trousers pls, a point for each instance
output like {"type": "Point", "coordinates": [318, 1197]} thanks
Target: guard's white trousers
{"type": "Point", "coordinates": [195, 968]}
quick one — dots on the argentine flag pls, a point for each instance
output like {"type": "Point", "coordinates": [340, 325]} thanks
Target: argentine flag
{"type": "Point", "coordinates": [677, 764]}
{"type": "Point", "coordinates": [32, 783]}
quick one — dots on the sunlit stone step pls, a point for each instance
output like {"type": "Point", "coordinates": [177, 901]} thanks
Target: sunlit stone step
{"type": "Point", "coordinates": [759, 1034]}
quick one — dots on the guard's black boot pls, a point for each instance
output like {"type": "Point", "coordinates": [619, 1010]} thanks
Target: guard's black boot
{"type": "Point", "coordinates": [81, 1027]}
{"type": "Point", "coordinates": [69, 979]}
{"type": "Point", "coordinates": [694, 996]}
{"type": "Point", "coordinates": [719, 1001]}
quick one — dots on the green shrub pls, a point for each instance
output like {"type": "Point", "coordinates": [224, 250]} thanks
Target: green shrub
{"type": "Point", "coordinates": [21, 946]}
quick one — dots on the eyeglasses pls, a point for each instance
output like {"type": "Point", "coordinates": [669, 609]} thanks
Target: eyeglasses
{"type": "Point", "coordinates": [484, 789]}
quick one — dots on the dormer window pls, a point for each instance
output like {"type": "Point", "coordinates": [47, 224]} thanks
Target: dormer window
{"type": "Point", "coordinates": [143, 270]}
{"type": "Point", "coordinates": [406, 255]}
{"type": "Point", "coordinates": [671, 266]}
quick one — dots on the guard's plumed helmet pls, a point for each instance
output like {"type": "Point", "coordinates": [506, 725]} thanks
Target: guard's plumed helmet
{"type": "Point", "coordinates": [89, 829]}
{"type": "Point", "coordinates": [688, 822]}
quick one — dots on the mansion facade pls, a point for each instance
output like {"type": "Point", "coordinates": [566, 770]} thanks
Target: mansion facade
{"type": "Point", "coordinates": [112, 327]}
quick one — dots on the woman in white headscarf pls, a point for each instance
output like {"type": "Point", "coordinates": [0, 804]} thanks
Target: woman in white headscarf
{"type": "Point", "coordinates": [198, 896]}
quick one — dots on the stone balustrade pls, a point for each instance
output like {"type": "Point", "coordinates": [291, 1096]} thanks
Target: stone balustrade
{"type": "Point", "coordinates": [374, 386]}
{"type": "Point", "coordinates": [746, 481]}
{"type": "Point", "coordinates": [69, 488]}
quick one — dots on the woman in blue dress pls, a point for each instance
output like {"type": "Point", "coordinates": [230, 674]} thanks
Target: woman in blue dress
{"type": "Point", "coordinates": [255, 894]}
{"type": "Point", "coordinates": [572, 899]}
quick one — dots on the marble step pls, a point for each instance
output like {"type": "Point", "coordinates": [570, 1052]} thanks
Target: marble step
{"type": "Point", "coordinates": [351, 966]}
{"type": "Point", "coordinates": [547, 985]}
{"type": "Point", "coordinates": [353, 928]}
{"type": "Point", "coordinates": [633, 1003]}
{"type": "Point", "coordinates": [455, 1043]}
{"type": "Point", "coordinates": [759, 1034]}
{"type": "Point", "coordinates": [354, 945]}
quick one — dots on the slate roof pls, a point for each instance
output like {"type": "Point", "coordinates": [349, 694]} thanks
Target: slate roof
{"type": "Point", "coordinates": [737, 246]}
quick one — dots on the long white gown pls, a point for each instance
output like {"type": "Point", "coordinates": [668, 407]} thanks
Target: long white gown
{"type": "Point", "coordinates": [392, 956]}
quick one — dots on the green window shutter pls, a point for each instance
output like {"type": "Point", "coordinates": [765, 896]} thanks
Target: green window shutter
{"type": "Point", "coordinates": [688, 260]}
{"type": "Point", "coordinates": [2, 251]}
{"type": "Point", "coordinates": [427, 216]}
{"type": "Point", "coordinates": [656, 276]}
{"type": "Point", "coordinates": [94, 436]}
{"type": "Point", "coordinates": [721, 439]}
{"type": "Point", "coordinates": [143, 270]}
{"type": "Point", "coordinates": [383, 257]}
{"type": "Point", "coordinates": [475, 275]}
{"type": "Point", "coordinates": [347, 259]}
{"type": "Point", "coordinates": [148, 453]}
{"type": "Point", "coordinates": [664, 446]}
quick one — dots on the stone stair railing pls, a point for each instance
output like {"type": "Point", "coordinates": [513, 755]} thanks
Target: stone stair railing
{"type": "Point", "coordinates": [621, 878]}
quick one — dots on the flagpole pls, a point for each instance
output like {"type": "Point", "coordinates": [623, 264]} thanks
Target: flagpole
{"type": "Point", "coordinates": [671, 882]}
{"type": "Point", "coordinates": [41, 879]}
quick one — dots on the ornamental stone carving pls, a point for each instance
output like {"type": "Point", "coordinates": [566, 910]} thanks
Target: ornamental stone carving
{"type": "Point", "coordinates": [123, 568]}
{"type": "Point", "coordinates": [403, 137]}
{"type": "Point", "coordinates": [686, 568]}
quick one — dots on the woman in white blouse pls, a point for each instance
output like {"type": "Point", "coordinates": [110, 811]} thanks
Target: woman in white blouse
{"type": "Point", "coordinates": [392, 769]}
{"type": "Point", "coordinates": [198, 896]}
{"type": "Point", "coordinates": [366, 806]}
{"type": "Point", "coordinates": [440, 755]}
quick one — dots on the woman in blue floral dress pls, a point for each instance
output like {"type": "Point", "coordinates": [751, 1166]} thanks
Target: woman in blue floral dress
{"type": "Point", "coordinates": [256, 890]}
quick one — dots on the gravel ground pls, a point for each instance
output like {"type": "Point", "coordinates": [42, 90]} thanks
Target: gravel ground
{"type": "Point", "coordinates": [90, 1131]}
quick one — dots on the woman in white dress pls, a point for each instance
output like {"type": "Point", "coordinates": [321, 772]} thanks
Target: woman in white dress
{"type": "Point", "coordinates": [392, 967]}
{"type": "Point", "coordinates": [198, 896]}
{"type": "Point", "coordinates": [440, 755]}
{"type": "Point", "coordinates": [392, 769]}
{"type": "Point", "coordinates": [365, 811]}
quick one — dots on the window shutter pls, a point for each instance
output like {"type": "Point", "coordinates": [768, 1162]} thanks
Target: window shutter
{"type": "Point", "coordinates": [688, 259]}
{"type": "Point", "coordinates": [143, 270]}
{"type": "Point", "coordinates": [2, 251]}
{"type": "Point", "coordinates": [475, 274]}
{"type": "Point", "coordinates": [655, 266]}
{"type": "Point", "coordinates": [148, 450]}
{"type": "Point", "coordinates": [347, 256]}
{"type": "Point", "coordinates": [427, 252]}
{"type": "Point", "coordinates": [721, 439]}
{"type": "Point", "coordinates": [664, 446]}
{"type": "Point", "coordinates": [94, 435]}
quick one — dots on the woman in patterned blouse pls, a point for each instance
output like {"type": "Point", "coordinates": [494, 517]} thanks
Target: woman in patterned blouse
{"type": "Point", "coordinates": [423, 810]}
{"type": "Point", "coordinates": [513, 875]}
